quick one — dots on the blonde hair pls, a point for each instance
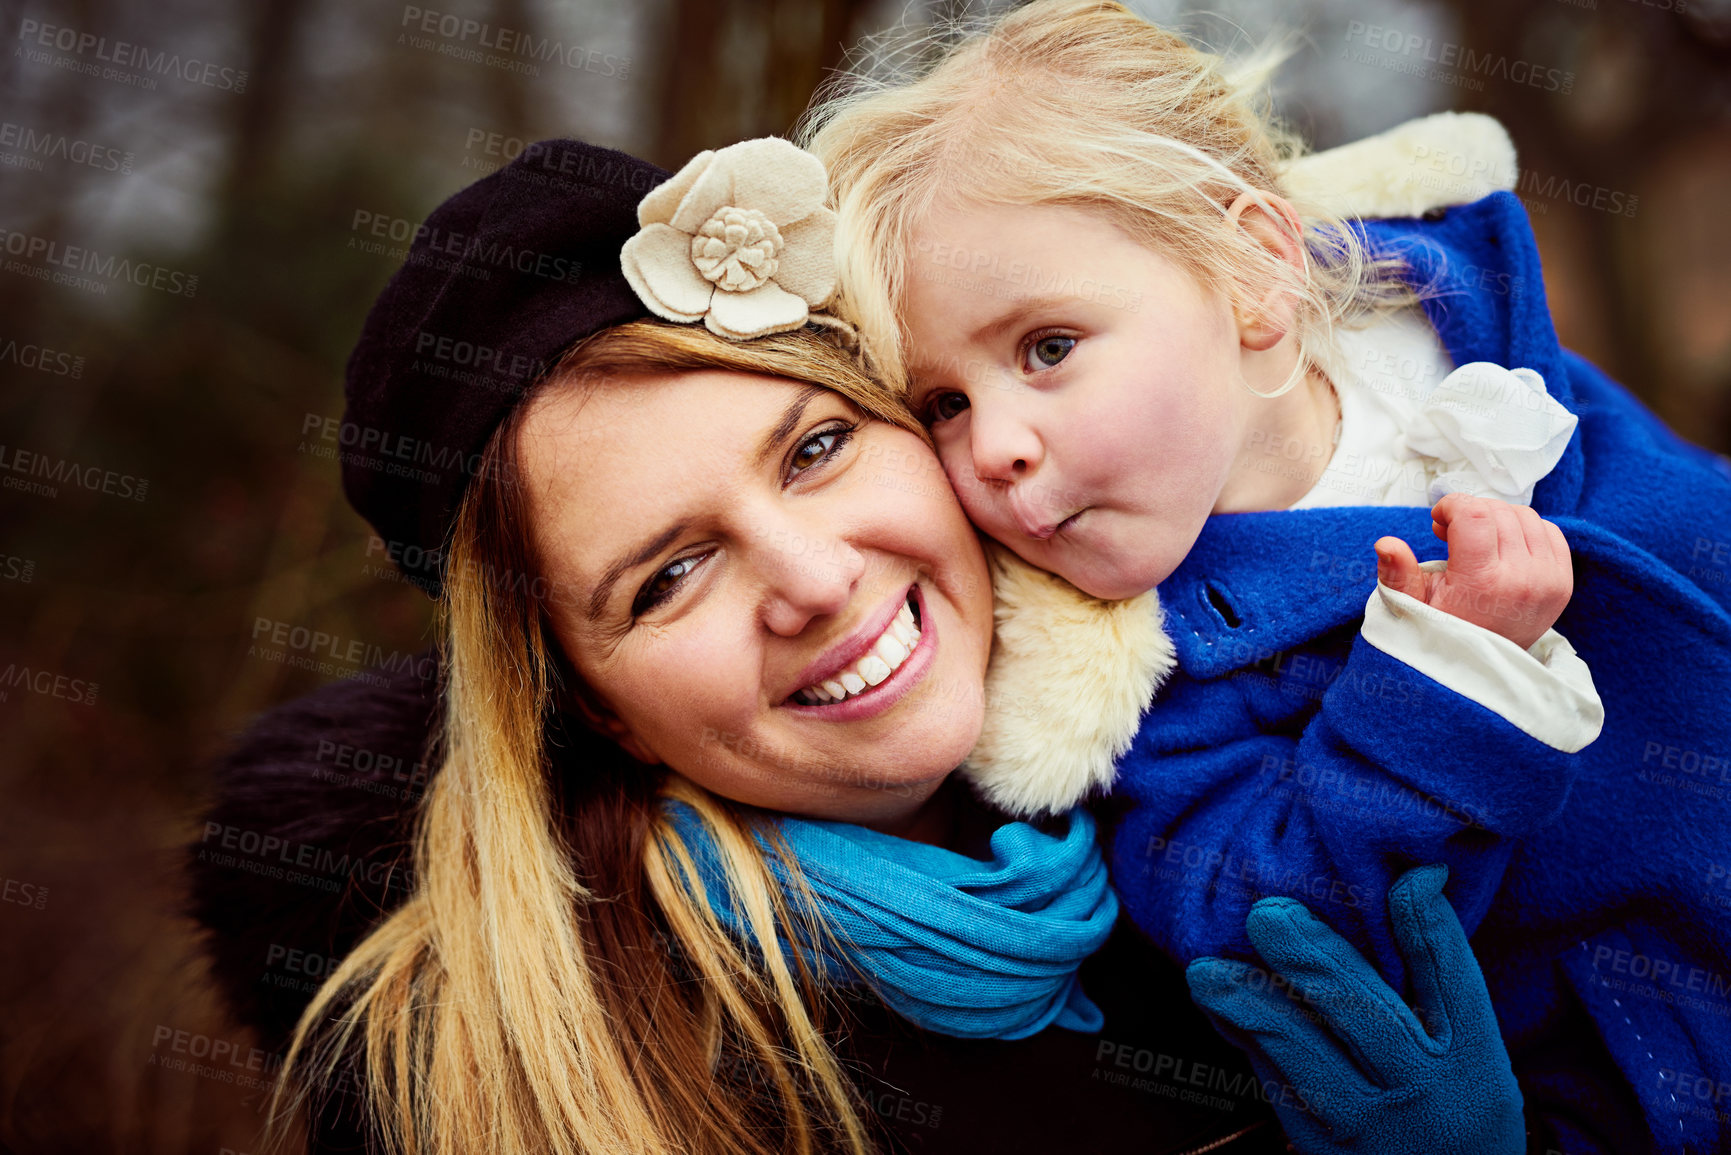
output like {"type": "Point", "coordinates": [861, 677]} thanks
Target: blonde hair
{"type": "Point", "coordinates": [557, 981]}
{"type": "Point", "coordinates": [1079, 103]}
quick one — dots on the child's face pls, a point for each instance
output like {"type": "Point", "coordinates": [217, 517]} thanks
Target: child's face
{"type": "Point", "coordinates": [1087, 395]}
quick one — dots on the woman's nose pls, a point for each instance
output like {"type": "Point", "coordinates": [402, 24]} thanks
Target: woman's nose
{"type": "Point", "coordinates": [1003, 442]}
{"type": "Point", "coordinates": [807, 575]}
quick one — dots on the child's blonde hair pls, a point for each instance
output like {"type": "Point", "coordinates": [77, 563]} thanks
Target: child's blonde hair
{"type": "Point", "coordinates": [1083, 103]}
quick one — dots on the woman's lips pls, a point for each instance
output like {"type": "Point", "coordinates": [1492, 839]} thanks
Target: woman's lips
{"type": "Point", "coordinates": [845, 653]}
{"type": "Point", "coordinates": [873, 700]}
{"type": "Point", "coordinates": [886, 654]}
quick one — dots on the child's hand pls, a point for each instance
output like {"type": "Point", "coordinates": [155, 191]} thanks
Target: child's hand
{"type": "Point", "coordinates": [1508, 568]}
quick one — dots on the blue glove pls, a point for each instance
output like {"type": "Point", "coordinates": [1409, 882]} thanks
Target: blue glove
{"type": "Point", "coordinates": [1347, 1064]}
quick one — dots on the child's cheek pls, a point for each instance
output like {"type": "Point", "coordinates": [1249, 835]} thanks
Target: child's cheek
{"type": "Point", "coordinates": [976, 497]}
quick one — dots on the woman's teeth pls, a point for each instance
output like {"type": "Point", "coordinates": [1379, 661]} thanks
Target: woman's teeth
{"type": "Point", "coordinates": [891, 650]}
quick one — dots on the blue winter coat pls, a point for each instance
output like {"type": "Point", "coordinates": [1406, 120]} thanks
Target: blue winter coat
{"type": "Point", "coordinates": [1288, 756]}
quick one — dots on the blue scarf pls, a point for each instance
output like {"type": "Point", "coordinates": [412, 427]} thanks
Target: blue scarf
{"type": "Point", "coordinates": [964, 947]}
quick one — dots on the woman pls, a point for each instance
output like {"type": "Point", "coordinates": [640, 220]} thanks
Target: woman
{"type": "Point", "coordinates": [715, 631]}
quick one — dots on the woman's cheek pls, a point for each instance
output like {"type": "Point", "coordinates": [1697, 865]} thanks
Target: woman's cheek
{"type": "Point", "coordinates": [691, 683]}
{"type": "Point", "coordinates": [915, 495]}
{"type": "Point", "coordinates": [900, 462]}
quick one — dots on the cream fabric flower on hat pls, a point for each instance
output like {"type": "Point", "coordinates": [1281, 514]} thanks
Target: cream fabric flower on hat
{"type": "Point", "coordinates": [738, 239]}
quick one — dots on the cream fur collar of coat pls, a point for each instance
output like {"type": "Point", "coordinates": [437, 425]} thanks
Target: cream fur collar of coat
{"type": "Point", "coordinates": [1071, 675]}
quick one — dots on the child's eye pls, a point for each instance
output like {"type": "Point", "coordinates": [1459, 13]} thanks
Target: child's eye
{"type": "Point", "coordinates": [944, 406]}
{"type": "Point", "coordinates": [1047, 352]}
{"type": "Point", "coordinates": [664, 584]}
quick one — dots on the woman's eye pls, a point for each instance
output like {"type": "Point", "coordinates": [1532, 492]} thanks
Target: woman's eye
{"type": "Point", "coordinates": [817, 448]}
{"type": "Point", "coordinates": [813, 451]}
{"type": "Point", "coordinates": [1047, 352]}
{"type": "Point", "coordinates": [944, 406]}
{"type": "Point", "coordinates": [661, 587]}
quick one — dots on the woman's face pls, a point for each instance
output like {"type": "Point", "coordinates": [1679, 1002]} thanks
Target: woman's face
{"type": "Point", "coordinates": [729, 545]}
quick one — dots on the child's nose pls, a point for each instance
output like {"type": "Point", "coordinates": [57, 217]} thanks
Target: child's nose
{"type": "Point", "coordinates": [1004, 446]}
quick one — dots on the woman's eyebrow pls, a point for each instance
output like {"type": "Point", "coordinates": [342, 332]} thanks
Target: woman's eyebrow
{"type": "Point", "coordinates": [643, 553]}
{"type": "Point", "coordinates": [789, 419]}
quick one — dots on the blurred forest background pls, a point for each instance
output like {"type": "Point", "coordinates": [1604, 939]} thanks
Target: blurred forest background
{"type": "Point", "coordinates": [196, 405]}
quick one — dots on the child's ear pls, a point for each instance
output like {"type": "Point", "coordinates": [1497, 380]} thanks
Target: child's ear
{"type": "Point", "coordinates": [1267, 311]}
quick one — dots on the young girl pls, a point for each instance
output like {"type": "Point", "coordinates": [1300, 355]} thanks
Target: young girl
{"type": "Point", "coordinates": [1144, 363]}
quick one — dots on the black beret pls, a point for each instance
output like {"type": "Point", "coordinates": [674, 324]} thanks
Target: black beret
{"type": "Point", "coordinates": [500, 280]}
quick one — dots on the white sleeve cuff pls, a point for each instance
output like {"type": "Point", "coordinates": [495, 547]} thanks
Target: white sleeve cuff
{"type": "Point", "coordinates": [1546, 691]}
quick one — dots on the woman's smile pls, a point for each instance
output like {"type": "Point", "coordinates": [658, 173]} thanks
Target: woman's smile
{"type": "Point", "coordinates": [872, 670]}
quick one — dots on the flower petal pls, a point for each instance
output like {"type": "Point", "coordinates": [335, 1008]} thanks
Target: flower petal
{"type": "Point", "coordinates": [657, 263]}
{"type": "Point", "coordinates": [776, 177]}
{"type": "Point", "coordinates": [663, 200]}
{"type": "Point", "coordinates": [765, 309]}
{"type": "Point", "coordinates": [807, 263]}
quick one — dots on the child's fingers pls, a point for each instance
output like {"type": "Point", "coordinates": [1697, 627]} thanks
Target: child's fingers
{"type": "Point", "coordinates": [1532, 527]}
{"type": "Point", "coordinates": [1538, 542]}
{"type": "Point", "coordinates": [1562, 570]}
{"type": "Point", "coordinates": [1397, 567]}
{"type": "Point", "coordinates": [1559, 544]}
{"type": "Point", "coordinates": [1549, 551]}
{"type": "Point", "coordinates": [1443, 513]}
{"type": "Point", "coordinates": [1513, 544]}
{"type": "Point", "coordinates": [1450, 508]}
{"type": "Point", "coordinates": [1471, 527]}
